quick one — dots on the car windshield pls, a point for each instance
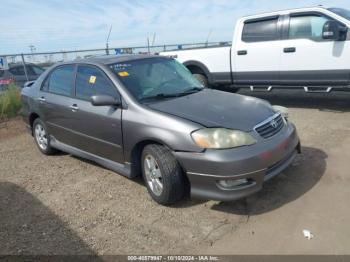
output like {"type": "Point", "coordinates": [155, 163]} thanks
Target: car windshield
{"type": "Point", "coordinates": [156, 78]}
{"type": "Point", "coordinates": [341, 11]}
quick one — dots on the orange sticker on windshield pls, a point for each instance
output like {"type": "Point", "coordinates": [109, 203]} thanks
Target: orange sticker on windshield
{"type": "Point", "coordinates": [92, 79]}
{"type": "Point", "coordinates": [123, 74]}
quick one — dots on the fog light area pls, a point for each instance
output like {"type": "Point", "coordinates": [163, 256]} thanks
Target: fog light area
{"type": "Point", "coordinates": [233, 183]}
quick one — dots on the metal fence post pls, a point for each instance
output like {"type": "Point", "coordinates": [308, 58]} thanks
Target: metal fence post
{"type": "Point", "coordinates": [25, 67]}
{"type": "Point", "coordinates": [107, 49]}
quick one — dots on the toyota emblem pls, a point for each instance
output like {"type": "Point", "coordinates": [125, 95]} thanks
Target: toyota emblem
{"type": "Point", "coordinates": [274, 123]}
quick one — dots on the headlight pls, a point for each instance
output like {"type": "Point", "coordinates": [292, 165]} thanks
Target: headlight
{"type": "Point", "coordinates": [281, 109]}
{"type": "Point", "coordinates": [221, 138]}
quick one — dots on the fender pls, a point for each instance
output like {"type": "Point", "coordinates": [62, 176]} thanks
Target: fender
{"type": "Point", "coordinates": [202, 67]}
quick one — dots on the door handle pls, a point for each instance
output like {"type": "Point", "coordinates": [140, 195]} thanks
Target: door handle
{"type": "Point", "coordinates": [42, 99]}
{"type": "Point", "coordinates": [74, 107]}
{"type": "Point", "coordinates": [289, 50]}
{"type": "Point", "coordinates": [242, 52]}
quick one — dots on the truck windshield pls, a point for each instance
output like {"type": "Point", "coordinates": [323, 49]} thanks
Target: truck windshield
{"type": "Point", "coordinates": [156, 78]}
{"type": "Point", "coordinates": [341, 11]}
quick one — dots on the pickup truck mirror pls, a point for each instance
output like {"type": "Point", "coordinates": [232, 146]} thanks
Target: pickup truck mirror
{"type": "Point", "coordinates": [334, 30]}
{"type": "Point", "coordinates": [104, 100]}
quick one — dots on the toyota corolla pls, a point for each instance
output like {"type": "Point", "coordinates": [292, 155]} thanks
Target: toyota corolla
{"type": "Point", "coordinates": [148, 115]}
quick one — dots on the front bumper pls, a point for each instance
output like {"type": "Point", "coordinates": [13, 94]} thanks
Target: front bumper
{"type": "Point", "coordinates": [254, 164]}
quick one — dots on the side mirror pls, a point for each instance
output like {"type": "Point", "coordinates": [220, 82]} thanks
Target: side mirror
{"type": "Point", "coordinates": [104, 100]}
{"type": "Point", "coordinates": [333, 30]}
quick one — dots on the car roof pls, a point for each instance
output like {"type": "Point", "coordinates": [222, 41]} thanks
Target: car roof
{"type": "Point", "coordinates": [283, 11]}
{"type": "Point", "coordinates": [13, 65]}
{"type": "Point", "coordinates": [111, 59]}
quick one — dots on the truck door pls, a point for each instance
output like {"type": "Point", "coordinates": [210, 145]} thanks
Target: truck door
{"type": "Point", "coordinates": [256, 51]}
{"type": "Point", "coordinates": [307, 58]}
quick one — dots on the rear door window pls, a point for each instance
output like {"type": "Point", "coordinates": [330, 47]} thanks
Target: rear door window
{"type": "Point", "coordinates": [61, 80]}
{"type": "Point", "coordinates": [2, 72]}
{"type": "Point", "coordinates": [260, 30]}
{"type": "Point", "coordinates": [92, 81]}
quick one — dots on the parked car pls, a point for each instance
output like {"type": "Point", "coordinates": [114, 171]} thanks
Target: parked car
{"type": "Point", "coordinates": [16, 74]}
{"type": "Point", "coordinates": [305, 48]}
{"type": "Point", "coordinates": [148, 114]}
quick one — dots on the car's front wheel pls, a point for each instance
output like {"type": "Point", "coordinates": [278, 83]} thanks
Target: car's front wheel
{"type": "Point", "coordinates": [162, 174]}
{"type": "Point", "coordinates": [42, 138]}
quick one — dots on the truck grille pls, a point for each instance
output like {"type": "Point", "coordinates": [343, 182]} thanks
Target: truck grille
{"type": "Point", "coordinates": [270, 126]}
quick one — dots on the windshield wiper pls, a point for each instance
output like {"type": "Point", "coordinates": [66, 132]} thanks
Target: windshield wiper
{"type": "Point", "coordinates": [191, 91]}
{"type": "Point", "coordinates": [159, 96]}
{"type": "Point", "coordinates": [162, 95]}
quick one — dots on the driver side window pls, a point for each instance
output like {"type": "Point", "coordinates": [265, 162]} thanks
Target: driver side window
{"type": "Point", "coordinates": [307, 27]}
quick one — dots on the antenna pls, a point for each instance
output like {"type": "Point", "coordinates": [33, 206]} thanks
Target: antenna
{"type": "Point", "coordinates": [210, 31]}
{"type": "Point", "coordinates": [109, 33]}
{"type": "Point", "coordinates": [154, 39]}
{"type": "Point", "coordinates": [148, 45]}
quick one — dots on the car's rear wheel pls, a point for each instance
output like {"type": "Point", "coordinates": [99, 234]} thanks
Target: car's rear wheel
{"type": "Point", "coordinates": [162, 174]}
{"type": "Point", "coordinates": [42, 138]}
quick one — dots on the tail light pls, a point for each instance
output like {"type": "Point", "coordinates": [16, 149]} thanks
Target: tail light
{"type": "Point", "coordinates": [7, 80]}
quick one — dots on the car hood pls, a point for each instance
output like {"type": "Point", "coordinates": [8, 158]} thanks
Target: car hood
{"type": "Point", "coordinates": [213, 108]}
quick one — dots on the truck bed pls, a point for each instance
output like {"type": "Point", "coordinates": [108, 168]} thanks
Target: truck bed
{"type": "Point", "coordinates": [216, 59]}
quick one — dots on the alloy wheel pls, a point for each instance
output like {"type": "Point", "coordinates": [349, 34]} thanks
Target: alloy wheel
{"type": "Point", "coordinates": [40, 136]}
{"type": "Point", "coordinates": [153, 175]}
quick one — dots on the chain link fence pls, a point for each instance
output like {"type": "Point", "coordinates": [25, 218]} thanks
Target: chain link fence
{"type": "Point", "coordinates": [26, 66]}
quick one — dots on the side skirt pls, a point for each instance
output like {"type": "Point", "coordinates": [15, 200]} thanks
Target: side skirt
{"type": "Point", "coordinates": [123, 169]}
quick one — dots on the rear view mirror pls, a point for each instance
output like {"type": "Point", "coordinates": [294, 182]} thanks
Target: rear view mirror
{"type": "Point", "coordinates": [334, 30]}
{"type": "Point", "coordinates": [104, 100]}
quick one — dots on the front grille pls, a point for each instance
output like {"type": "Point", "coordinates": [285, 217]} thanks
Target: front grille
{"type": "Point", "coordinates": [270, 126]}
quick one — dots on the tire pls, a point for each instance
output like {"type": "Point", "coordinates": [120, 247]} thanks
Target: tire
{"type": "Point", "coordinates": [166, 171]}
{"type": "Point", "coordinates": [42, 140]}
{"type": "Point", "coordinates": [202, 79]}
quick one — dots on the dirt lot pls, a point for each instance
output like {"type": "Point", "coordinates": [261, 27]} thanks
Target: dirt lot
{"type": "Point", "coordinates": [64, 205]}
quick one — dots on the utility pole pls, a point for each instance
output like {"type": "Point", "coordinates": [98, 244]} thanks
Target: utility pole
{"type": "Point", "coordinates": [32, 48]}
{"type": "Point", "coordinates": [107, 45]}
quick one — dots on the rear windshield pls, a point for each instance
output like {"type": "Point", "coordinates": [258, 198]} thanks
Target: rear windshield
{"type": "Point", "coordinates": [341, 11]}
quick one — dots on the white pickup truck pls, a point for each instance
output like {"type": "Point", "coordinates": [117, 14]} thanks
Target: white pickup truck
{"type": "Point", "coordinates": [306, 47]}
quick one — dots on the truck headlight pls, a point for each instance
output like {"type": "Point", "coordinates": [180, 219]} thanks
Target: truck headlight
{"type": "Point", "coordinates": [221, 138]}
{"type": "Point", "coordinates": [281, 109]}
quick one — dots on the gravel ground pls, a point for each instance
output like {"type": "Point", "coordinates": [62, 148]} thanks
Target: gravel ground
{"type": "Point", "coordinates": [65, 205]}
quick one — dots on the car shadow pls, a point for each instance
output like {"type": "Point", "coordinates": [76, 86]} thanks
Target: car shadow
{"type": "Point", "coordinates": [28, 227]}
{"type": "Point", "coordinates": [336, 101]}
{"type": "Point", "coordinates": [186, 202]}
{"type": "Point", "coordinates": [303, 174]}
{"type": "Point", "coordinates": [299, 178]}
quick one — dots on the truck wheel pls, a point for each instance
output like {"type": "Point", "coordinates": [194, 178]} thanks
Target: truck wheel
{"type": "Point", "coordinates": [42, 137]}
{"type": "Point", "coordinates": [202, 79]}
{"type": "Point", "coordinates": [162, 174]}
